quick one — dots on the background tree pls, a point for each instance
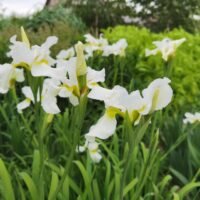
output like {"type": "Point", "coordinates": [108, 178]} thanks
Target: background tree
{"type": "Point", "coordinates": [160, 15]}
{"type": "Point", "coordinates": [99, 14]}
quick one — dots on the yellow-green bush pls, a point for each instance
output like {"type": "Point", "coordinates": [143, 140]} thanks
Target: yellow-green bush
{"type": "Point", "coordinates": [185, 75]}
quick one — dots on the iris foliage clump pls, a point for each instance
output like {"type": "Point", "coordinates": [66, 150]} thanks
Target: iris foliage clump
{"type": "Point", "coordinates": [58, 142]}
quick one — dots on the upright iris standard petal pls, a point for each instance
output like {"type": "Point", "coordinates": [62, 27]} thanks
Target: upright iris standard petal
{"type": "Point", "coordinates": [104, 128]}
{"type": "Point", "coordinates": [157, 95]}
{"type": "Point", "coordinates": [50, 41]}
{"type": "Point", "coordinates": [66, 54]}
{"type": "Point", "coordinates": [35, 58]}
{"type": "Point", "coordinates": [20, 52]}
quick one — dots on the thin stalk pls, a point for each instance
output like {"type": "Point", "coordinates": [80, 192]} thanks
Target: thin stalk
{"type": "Point", "coordinates": [148, 166]}
{"type": "Point", "coordinates": [122, 71]}
{"type": "Point", "coordinates": [134, 140]}
{"type": "Point", "coordinates": [14, 95]}
{"type": "Point", "coordinates": [168, 68]}
{"type": "Point", "coordinates": [41, 134]}
{"type": "Point", "coordinates": [115, 73]}
{"type": "Point", "coordinates": [125, 171]}
{"type": "Point", "coordinates": [126, 133]}
{"type": "Point", "coordinates": [78, 117]}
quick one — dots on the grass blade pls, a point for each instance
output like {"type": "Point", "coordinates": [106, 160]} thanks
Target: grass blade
{"type": "Point", "coordinates": [7, 189]}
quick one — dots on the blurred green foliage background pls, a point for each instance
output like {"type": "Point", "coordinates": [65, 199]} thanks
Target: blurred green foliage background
{"type": "Point", "coordinates": [56, 21]}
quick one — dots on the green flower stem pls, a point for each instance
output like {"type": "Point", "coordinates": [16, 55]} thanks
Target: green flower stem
{"type": "Point", "coordinates": [148, 165]}
{"type": "Point", "coordinates": [133, 140]}
{"type": "Point", "coordinates": [14, 95]}
{"type": "Point", "coordinates": [168, 68]}
{"type": "Point", "coordinates": [122, 65]}
{"type": "Point", "coordinates": [115, 72]}
{"type": "Point", "coordinates": [75, 130]}
{"type": "Point", "coordinates": [41, 134]}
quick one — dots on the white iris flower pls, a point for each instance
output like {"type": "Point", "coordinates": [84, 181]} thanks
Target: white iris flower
{"type": "Point", "coordinates": [93, 148]}
{"type": "Point", "coordinates": [67, 86]}
{"type": "Point", "coordinates": [117, 48]}
{"type": "Point", "coordinates": [35, 58]}
{"type": "Point", "coordinates": [119, 102]}
{"type": "Point", "coordinates": [157, 95]}
{"type": "Point", "coordinates": [94, 44]}
{"type": "Point", "coordinates": [101, 44]}
{"type": "Point", "coordinates": [191, 118]}
{"type": "Point", "coordinates": [8, 75]}
{"type": "Point", "coordinates": [167, 47]}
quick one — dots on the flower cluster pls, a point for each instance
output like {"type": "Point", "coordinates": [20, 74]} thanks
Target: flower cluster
{"type": "Point", "coordinates": [61, 75]}
{"type": "Point", "coordinates": [93, 44]}
{"type": "Point", "coordinates": [119, 102]}
{"type": "Point", "coordinates": [68, 76]}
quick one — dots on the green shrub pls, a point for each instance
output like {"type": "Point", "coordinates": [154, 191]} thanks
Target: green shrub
{"type": "Point", "coordinates": [185, 66]}
{"type": "Point", "coordinates": [57, 21]}
{"type": "Point", "coordinates": [99, 14]}
{"type": "Point", "coordinates": [53, 15]}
